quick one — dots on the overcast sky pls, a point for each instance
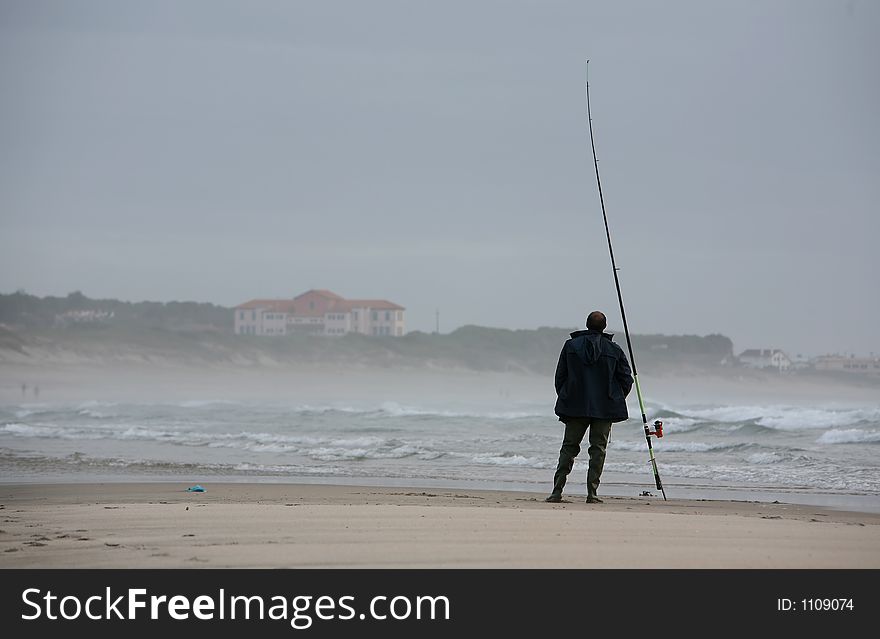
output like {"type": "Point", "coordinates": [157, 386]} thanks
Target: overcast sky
{"type": "Point", "coordinates": [437, 155]}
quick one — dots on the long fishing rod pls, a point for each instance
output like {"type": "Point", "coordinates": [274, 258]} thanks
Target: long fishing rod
{"type": "Point", "coordinates": [658, 425]}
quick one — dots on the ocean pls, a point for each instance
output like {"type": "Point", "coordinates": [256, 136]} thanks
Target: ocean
{"type": "Point", "coordinates": [821, 455]}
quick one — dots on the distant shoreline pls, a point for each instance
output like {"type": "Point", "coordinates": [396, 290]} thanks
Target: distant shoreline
{"type": "Point", "coordinates": [72, 377]}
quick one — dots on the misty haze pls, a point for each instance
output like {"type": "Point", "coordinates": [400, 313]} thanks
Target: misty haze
{"type": "Point", "coordinates": [343, 243]}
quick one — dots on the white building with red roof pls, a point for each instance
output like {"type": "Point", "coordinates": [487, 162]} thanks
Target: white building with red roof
{"type": "Point", "coordinates": [765, 358]}
{"type": "Point", "coordinates": [319, 311]}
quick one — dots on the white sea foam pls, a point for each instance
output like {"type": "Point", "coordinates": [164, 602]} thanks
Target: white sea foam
{"type": "Point", "coordinates": [494, 459]}
{"type": "Point", "coordinates": [399, 410]}
{"type": "Point", "coordinates": [94, 403]}
{"type": "Point", "coordinates": [289, 469]}
{"type": "Point", "coordinates": [816, 418]}
{"type": "Point", "coordinates": [26, 430]}
{"type": "Point", "coordinates": [669, 446]}
{"type": "Point", "coordinates": [88, 412]}
{"type": "Point", "coordinates": [765, 458]}
{"type": "Point", "coordinates": [680, 424]}
{"type": "Point", "coordinates": [785, 417]}
{"type": "Point", "coordinates": [29, 409]}
{"type": "Point", "coordinates": [49, 432]}
{"type": "Point", "coordinates": [395, 409]}
{"type": "Point", "coordinates": [258, 441]}
{"type": "Point", "coordinates": [726, 413]}
{"type": "Point", "coordinates": [849, 436]}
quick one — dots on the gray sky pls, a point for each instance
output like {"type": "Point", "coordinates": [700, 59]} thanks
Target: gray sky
{"type": "Point", "coordinates": [437, 155]}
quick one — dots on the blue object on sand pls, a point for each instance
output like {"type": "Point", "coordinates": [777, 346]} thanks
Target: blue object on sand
{"type": "Point", "coordinates": [195, 489]}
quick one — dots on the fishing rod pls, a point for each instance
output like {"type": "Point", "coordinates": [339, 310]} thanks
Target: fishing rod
{"type": "Point", "coordinates": [658, 425]}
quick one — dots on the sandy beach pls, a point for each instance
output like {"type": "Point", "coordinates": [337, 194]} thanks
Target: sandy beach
{"type": "Point", "coordinates": [161, 525]}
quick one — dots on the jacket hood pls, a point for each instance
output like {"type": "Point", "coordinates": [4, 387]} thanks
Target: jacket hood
{"type": "Point", "coordinates": [589, 348]}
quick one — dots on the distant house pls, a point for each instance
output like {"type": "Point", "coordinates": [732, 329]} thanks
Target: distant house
{"type": "Point", "coordinates": [765, 358]}
{"type": "Point", "coordinates": [863, 365]}
{"type": "Point", "coordinates": [319, 311]}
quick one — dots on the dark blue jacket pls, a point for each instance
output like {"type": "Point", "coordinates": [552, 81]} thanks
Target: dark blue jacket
{"type": "Point", "coordinates": [593, 378]}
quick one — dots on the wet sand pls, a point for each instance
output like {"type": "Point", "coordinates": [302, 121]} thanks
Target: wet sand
{"type": "Point", "coordinates": [239, 525]}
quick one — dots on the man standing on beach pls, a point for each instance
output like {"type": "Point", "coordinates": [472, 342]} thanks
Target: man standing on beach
{"type": "Point", "coordinates": [593, 378]}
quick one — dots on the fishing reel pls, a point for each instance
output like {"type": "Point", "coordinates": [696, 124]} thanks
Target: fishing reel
{"type": "Point", "coordinates": [657, 429]}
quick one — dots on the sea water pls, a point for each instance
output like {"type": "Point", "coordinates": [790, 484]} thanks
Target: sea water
{"type": "Point", "coordinates": [816, 454]}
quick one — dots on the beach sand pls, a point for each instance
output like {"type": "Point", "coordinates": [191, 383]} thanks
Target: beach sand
{"type": "Point", "coordinates": [259, 525]}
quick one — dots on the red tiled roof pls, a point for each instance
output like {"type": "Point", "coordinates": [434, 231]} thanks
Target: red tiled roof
{"type": "Point", "coordinates": [348, 305]}
{"type": "Point", "coordinates": [322, 292]}
{"type": "Point", "coordinates": [332, 303]}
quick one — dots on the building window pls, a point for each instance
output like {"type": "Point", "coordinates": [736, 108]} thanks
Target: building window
{"type": "Point", "coordinates": [375, 316]}
{"type": "Point", "coordinates": [241, 315]}
{"type": "Point", "coordinates": [254, 315]}
{"type": "Point", "coordinates": [355, 315]}
{"type": "Point", "coordinates": [387, 316]}
{"type": "Point", "coordinates": [399, 316]}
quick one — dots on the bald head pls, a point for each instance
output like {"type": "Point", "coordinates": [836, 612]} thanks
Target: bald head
{"type": "Point", "coordinates": [596, 321]}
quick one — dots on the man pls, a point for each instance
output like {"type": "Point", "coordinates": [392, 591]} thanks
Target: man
{"type": "Point", "coordinates": [593, 379]}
